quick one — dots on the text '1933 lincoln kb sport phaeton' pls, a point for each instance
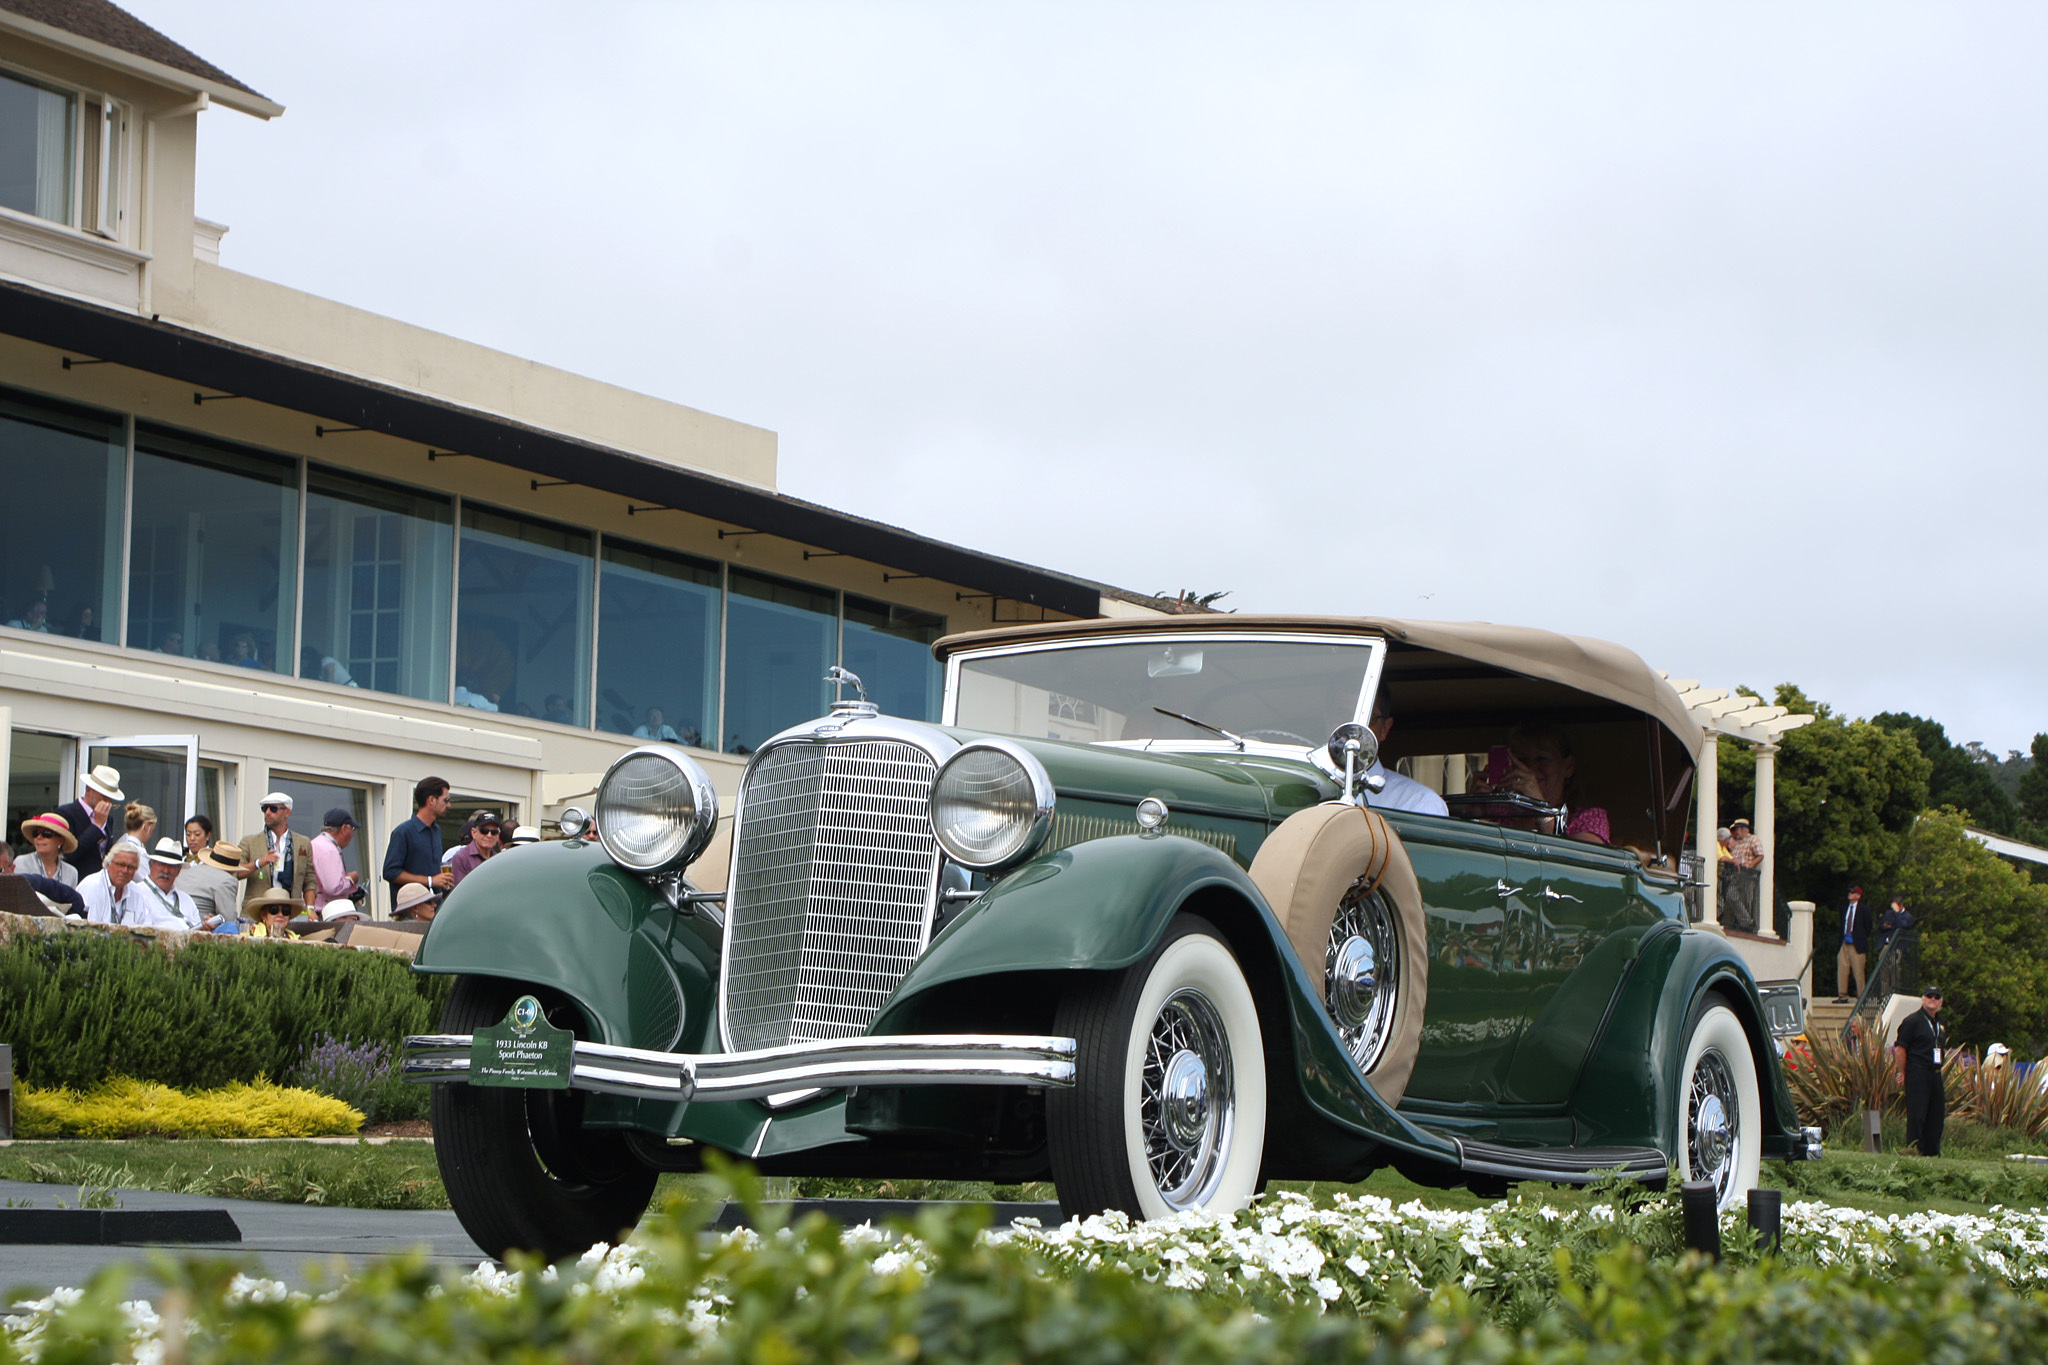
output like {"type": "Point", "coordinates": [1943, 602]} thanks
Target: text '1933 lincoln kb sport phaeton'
{"type": "Point", "coordinates": [1162, 910]}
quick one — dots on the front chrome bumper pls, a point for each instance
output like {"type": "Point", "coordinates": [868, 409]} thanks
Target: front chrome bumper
{"type": "Point", "coordinates": [906, 1059]}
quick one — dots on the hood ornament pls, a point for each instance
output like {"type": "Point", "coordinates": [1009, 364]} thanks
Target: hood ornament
{"type": "Point", "coordinates": [845, 677]}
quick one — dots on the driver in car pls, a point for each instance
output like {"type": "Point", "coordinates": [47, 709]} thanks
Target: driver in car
{"type": "Point", "coordinates": [1401, 792]}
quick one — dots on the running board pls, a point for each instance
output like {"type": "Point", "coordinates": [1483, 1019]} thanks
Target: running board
{"type": "Point", "coordinates": [1561, 1165]}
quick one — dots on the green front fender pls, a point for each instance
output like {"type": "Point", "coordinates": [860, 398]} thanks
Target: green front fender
{"type": "Point", "coordinates": [559, 914]}
{"type": "Point", "coordinates": [1102, 906]}
{"type": "Point", "coordinates": [1628, 1091]}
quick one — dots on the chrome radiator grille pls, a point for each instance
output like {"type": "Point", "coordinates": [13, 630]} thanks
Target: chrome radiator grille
{"type": "Point", "coordinates": [831, 889]}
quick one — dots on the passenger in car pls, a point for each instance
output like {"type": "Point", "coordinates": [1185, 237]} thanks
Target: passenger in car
{"type": "Point", "coordinates": [1541, 765]}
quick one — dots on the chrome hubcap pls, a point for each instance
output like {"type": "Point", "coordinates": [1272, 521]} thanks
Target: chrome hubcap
{"type": "Point", "coordinates": [1186, 1099]}
{"type": "Point", "coordinates": [1361, 975]}
{"type": "Point", "coordinates": [1714, 1140]}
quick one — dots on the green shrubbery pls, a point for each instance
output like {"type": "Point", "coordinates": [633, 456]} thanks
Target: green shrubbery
{"type": "Point", "coordinates": [81, 1007]}
{"type": "Point", "coordinates": [950, 1294]}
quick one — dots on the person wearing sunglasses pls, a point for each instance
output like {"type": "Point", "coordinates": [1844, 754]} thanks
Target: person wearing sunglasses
{"type": "Point", "coordinates": [280, 857]}
{"type": "Point", "coordinates": [486, 837]}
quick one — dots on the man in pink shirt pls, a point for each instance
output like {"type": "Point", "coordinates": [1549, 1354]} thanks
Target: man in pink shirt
{"type": "Point", "coordinates": [334, 882]}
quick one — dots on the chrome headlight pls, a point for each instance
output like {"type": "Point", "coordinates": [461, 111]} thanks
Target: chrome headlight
{"type": "Point", "coordinates": [991, 804]}
{"type": "Point", "coordinates": [655, 809]}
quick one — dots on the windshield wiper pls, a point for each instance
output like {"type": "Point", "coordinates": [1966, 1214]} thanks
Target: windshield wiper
{"type": "Point", "coordinates": [1203, 725]}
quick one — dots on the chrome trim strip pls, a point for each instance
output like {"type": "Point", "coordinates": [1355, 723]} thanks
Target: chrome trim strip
{"type": "Point", "coordinates": [887, 1060]}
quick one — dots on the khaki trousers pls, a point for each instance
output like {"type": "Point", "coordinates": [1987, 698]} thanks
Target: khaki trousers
{"type": "Point", "coordinates": [1848, 960]}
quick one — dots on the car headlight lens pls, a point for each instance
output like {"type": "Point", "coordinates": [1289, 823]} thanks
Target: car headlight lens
{"type": "Point", "coordinates": [991, 805]}
{"type": "Point", "coordinates": [655, 809]}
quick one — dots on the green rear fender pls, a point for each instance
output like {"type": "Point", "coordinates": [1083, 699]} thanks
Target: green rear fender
{"type": "Point", "coordinates": [1627, 1094]}
{"type": "Point", "coordinates": [1102, 906]}
{"type": "Point", "coordinates": [560, 915]}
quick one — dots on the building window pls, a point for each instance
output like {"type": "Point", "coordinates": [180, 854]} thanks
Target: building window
{"type": "Point", "coordinates": [379, 572]}
{"type": "Point", "coordinates": [522, 635]}
{"type": "Point", "coordinates": [37, 131]}
{"type": "Point", "coordinates": [891, 649]}
{"type": "Point", "coordinates": [780, 637]}
{"type": "Point", "coordinates": [214, 551]}
{"type": "Point", "coordinates": [657, 645]}
{"type": "Point", "coordinates": [60, 556]}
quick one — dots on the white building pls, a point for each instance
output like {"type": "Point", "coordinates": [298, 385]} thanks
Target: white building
{"type": "Point", "coordinates": [258, 539]}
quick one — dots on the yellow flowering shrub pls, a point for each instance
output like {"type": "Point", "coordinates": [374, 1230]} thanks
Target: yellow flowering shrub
{"type": "Point", "coordinates": [123, 1108]}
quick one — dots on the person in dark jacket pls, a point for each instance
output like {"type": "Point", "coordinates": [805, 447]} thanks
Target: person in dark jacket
{"type": "Point", "coordinates": [90, 819]}
{"type": "Point", "coordinates": [1850, 960]}
{"type": "Point", "coordinates": [1897, 918]}
{"type": "Point", "coordinates": [1918, 1048]}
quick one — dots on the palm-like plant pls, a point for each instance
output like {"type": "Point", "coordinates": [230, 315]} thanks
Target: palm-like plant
{"type": "Point", "coordinates": [1999, 1097]}
{"type": "Point", "coordinates": [1832, 1081]}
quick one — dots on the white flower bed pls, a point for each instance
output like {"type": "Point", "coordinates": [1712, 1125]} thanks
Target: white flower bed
{"type": "Point", "coordinates": [1360, 1251]}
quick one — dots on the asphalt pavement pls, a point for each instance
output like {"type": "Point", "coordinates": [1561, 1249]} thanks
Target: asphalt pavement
{"type": "Point", "coordinates": [295, 1243]}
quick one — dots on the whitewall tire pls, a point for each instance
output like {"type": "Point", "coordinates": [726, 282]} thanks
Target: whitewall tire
{"type": "Point", "coordinates": [1720, 1107]}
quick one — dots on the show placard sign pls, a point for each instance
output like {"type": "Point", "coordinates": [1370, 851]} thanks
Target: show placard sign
{"type": "Point", "coordinates": [525, 1050]}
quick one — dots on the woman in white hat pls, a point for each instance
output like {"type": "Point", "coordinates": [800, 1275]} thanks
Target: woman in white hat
{"type": "Point", "coordinates": [416, 901]}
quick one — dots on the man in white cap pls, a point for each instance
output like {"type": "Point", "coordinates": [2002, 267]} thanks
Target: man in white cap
{"type": "Point", "coordinates": [88, 816]}
{"type": "Point", "coordinates": [162, 904]}
{"type": "Point", "coordinates": [281, 858]}
{"type": "Point", "coordinates": [110, 894]}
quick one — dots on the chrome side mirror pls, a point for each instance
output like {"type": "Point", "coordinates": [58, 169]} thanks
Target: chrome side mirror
{"type": "Point", "coordinates": [1354, 749]}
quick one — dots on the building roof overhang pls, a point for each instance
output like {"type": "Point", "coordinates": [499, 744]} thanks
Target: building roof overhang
{"type": "Point", "coordinates": [125, 43]}
{"type": "Point", "coordinates": [192, 357]}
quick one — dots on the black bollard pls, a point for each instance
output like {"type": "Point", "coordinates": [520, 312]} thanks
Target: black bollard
{"type": "Point", "coordinates": [1765, 1208]}
{"type": "Point", "coordinates": [1702, 1218]}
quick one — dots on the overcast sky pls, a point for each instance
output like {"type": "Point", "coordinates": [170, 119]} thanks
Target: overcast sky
{"type": "Point", "coordinates": [1720, 331]}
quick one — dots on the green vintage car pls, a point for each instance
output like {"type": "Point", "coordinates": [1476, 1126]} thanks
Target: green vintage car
{"type": "Point", "coordinates": [1152, 913]}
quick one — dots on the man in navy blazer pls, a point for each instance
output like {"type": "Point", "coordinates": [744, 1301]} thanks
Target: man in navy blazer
{"type": "Point", "coordinates": [1856, 927]}
{"type": "Point", "coordinates": [91, 818]}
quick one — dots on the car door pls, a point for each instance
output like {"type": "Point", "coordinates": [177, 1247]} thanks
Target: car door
{"type": "Point", "coordinates": [1462, 869]}
{"type": "Point", "coordinates": [1586, 902]}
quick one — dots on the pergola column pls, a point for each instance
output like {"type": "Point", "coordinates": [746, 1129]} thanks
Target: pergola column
{"type": "Point", "coordinates": [1708, 819]}
{"type": "Point", "coordinates": [1766, 825]}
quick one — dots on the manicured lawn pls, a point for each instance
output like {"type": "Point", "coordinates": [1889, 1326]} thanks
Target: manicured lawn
{"type": "Point", "coordinates": [402, 1175]}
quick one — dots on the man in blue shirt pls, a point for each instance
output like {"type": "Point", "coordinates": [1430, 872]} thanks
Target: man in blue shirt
{"type": "Point", "coordinates": [415, 851]}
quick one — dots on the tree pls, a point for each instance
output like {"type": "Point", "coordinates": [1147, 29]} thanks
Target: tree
{"type": "Point", "coordinates": [2033, 787]}
{"type": "Point", "coordinates": [1848, 790]}
{"type": "Point", "coordinates": [1959, 776]}
{"type": "Point", "coordinates": [1984, 934]}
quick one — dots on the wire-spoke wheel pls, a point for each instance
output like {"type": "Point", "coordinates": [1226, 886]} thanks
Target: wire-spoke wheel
{"type": "Point", "coordinates": [1720, 1109]}
{"type": "Point", "coordinates": [1362, 974]}
{"type": "Point", "coordinates": [1168, 1110]}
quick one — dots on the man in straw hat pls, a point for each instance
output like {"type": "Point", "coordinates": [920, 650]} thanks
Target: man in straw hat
{"type": "Point", "coordinates": [89, 819]}
{"type": "Point", "coordinates": [162, 904]}
{"type": "Point", "coordinates": [49, 839]}
{"type": "Point", "coordinates": [213, 886]}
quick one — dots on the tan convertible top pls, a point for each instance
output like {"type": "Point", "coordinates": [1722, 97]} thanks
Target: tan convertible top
{"type": "Point", "coordinates": [1595, 667]}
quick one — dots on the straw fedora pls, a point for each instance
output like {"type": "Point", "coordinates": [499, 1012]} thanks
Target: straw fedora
{"type": "Point", "coordinates": [276, 898]}
{"type": "Point", "coordinates": [50, 824]}
{"type": "Point", "coordinates": [107, 782]}
{"type": "Point", "coordinates": [225, 855]}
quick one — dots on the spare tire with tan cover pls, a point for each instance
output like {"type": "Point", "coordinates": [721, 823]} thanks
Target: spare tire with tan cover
{"type": "Point", "coordinates": [1341, 884]}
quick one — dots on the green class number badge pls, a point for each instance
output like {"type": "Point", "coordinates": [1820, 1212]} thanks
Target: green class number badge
{"type": "Point", "coordinates": [524, 1050]}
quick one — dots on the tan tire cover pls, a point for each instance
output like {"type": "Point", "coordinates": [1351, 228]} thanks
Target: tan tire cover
{"type": "Point", "coordinates": [1303, 870]}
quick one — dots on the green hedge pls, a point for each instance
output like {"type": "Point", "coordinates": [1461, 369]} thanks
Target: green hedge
{"type": "Point", "coordinates": [818, 1296]}
{"type": "Point", "coordinates": [82, 1006]}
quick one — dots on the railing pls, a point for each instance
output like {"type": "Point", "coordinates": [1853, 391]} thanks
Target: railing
{"type": "Point", "coordinates": [1897, 967]}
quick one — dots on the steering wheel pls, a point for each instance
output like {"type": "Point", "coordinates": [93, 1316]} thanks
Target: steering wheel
{"type": "Point", "coordinates": [1287, 736]}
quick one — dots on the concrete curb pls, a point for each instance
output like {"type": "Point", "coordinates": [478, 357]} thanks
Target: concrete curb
{"type": "Point", "coordinates": [115, 1227]}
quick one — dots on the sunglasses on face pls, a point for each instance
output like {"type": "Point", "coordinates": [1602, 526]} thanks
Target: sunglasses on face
{"type": "Point", "coordinates": [42, 834]}
{"type": "Point", "coordinates": [272, 810]}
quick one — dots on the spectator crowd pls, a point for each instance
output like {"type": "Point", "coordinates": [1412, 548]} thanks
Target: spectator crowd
{"type": "Point", "coordinates": [97, 860]}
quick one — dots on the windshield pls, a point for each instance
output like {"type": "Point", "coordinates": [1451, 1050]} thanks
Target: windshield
{"type": "Point", "coordinates": [1271, 691]}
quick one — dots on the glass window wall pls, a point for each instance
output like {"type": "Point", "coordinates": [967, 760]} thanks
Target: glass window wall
{"type": "Point", "coordinates": [890, 648]}
{"type": "Point", "coordinates": [60, 555]}
{"type": "Point", "coordinates": [522, 635]}
{"type": "Point", "coordinates": [379, 576]}
{"type": "Point", "coordinates": [213, 551]}
{"type": "Point", "coordinates": [657, 645]}
{"type": "Point", "coordinates": [780, 637]}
